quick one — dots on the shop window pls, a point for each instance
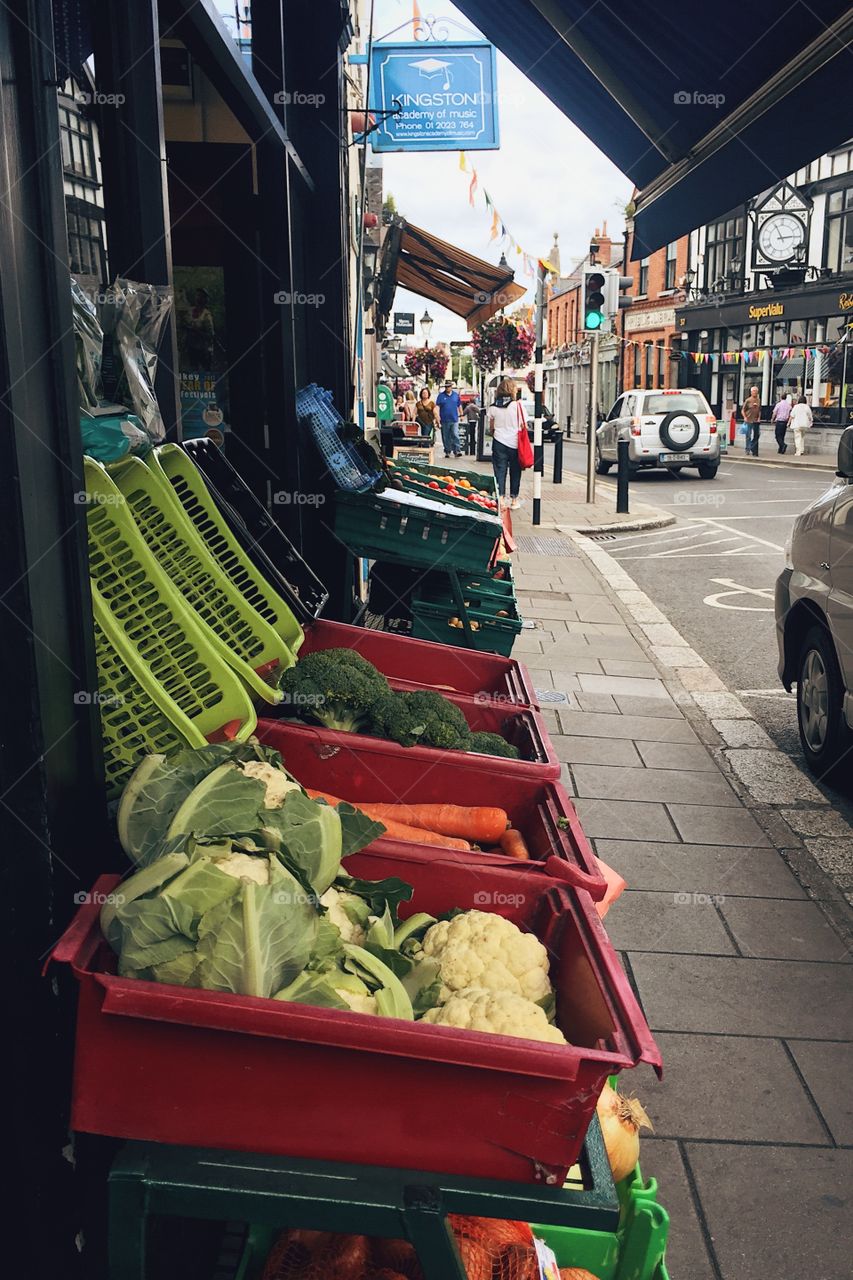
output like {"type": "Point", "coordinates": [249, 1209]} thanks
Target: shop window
{"type": "Point", "coordinates": [78, 145]}
{"type": "Point", "coordinates": [649, 378]}
{"type": "Point", "coordinates": [644, 276]}
{"type": "Point", "coordinates": [724, 245]}
{"type": "Point", "coordinates": [798, 333]}
{"type": "Point", "coordinates": [661, 365]}
{"type": "Point", "coordinates": [838, 237]}
{"type": "Point", "coordinates": [638, 368]}
{"type": "Point", "coordinates": [733, 339]}
{"type": "Point", "coordinates": [671, 264]}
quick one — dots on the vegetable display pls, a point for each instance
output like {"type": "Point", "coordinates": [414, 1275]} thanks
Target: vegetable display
{"type": "Point", "coordinates": [340, 689]}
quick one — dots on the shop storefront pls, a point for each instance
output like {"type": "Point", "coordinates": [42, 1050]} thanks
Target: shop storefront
{"type": "Point", "coordinates": [782, 341]}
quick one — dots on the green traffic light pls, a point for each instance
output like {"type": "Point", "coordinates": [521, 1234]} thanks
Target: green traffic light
{"type": "Point", "coordinates": [593, 320]}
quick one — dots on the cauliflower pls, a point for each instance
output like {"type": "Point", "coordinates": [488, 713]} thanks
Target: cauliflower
{"type": "Point", "coordinates": [276, 781]}
{"type": "Point", "coordinates": [500, 1012]}
{"type": "Point", "coordinates": [244, 866]}
{"type": "Point", "coordinates": [349, 912]}
{"type": "Point", "coordinates": [358, 1003]}
{"type": "Point", "coordinates": [481, 950]}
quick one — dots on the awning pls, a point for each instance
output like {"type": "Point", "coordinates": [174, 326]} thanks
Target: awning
{"type": "Point", "coordinates": [438, 271]}
{"type": "Point", "coordinates": [391, 366]}
{"type": "Point", "coordinates": [701, 110]}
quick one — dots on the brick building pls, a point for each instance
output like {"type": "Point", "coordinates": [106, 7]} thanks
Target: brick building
{"type": "Point", "coordinates": [648, 327]}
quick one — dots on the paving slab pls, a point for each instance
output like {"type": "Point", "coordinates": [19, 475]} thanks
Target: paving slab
{"type": "Point", "coordinates": [686, 1252]}
{"type": "Point", "coordinates": [578, 750]}
{"type": "Point", "coordinates": [643, 921]}
{"type": "Point", "coordinates": [783, 930]}
{"type": "Point", "coordinates": [775, 1211]}
{"type": "Point", "coordinates": [599, 703]}
{"type": "Point", "coordinates": [707, 824]}
{"type": "Point", "coordinates": [827, 1070]}
{"type": "Point", "coordinates": [668, 785]}
{"type": "Point", "coordinates": [668, 755]}
{"type": "Point", "coordinates": [700, 868]}
{"type": "Point", "coordinates": [635, 704]}
{"type": "Point", "coordinates": [729, 1089]}
{"type": "Point", "coordinates": [569, 667]}
{"type": "Point", "coordinates": [639, 728]}
{"type": "Point", "coordinates": [624, 685]}
{"type": "Point", "coordinates": [795, 999]}
{"type": "Point", "coordinates": [629, 667]}
{"type": "Point", "coordinates": [625, 820]}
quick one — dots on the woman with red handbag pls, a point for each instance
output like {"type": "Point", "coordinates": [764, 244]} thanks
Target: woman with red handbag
{"type": "Point", "coordinates": [507, 424]}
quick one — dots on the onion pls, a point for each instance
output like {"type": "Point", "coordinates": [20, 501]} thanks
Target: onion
{"type": "Point", "coordinates": [621, 1120]}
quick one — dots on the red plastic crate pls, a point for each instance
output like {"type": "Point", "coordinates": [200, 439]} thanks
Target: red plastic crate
{"type": "Point", "coordinates": [422, 664]}
{"type": "Point", "coordinates": [202, 1068]}
{"type": "Point", "coordinates": [524, 727]}
{"type": "Point", "coordinates": [362, 770]}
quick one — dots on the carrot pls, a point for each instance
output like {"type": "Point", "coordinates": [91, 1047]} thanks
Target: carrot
{"type": "Point", "coordinates": [514, 846]}
{"type": "Point", "coordinates": [483, 825]}
{"type": "Point", "coordinates": [396, 830]}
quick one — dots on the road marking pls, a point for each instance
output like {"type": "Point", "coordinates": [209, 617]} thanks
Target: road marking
{"type": "Point", "coordinates": [718, 524]}
{"type": "Point", "coordinates": [735, 589]}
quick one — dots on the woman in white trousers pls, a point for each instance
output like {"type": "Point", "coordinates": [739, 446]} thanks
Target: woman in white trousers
{"type": "Point", "coordinates": [800, 421]}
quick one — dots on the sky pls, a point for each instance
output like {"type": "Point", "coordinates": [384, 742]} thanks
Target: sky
{"type": "Point", "coordinates": [546, 177]}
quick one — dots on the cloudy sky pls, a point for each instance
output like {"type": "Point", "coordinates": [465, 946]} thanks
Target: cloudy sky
{"type": "Point", "coordinates": [546, 177]}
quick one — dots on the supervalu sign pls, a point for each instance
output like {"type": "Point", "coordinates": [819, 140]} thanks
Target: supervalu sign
{"type": "Point", "coordinates": [445, 92]}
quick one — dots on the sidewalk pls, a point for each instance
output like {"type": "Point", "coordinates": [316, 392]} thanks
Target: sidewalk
{"type": "Point", "coordinates": [769, 453]}
{"type": "Point", "coordinates": [723, 930]}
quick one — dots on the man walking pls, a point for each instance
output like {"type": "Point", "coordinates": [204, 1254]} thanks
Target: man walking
{"type": "Point", "coordinates": [801, 420]}
{"type": "Point", "coordinates": [752, 417]}
{"type": "Point", "coordinates": [781, 416]}
{"type": "Point", "coordinates": [449, 406]}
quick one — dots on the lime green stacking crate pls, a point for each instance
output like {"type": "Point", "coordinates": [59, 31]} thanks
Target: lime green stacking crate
{"type": "Point", "coordinates": [189, 488]}
{"type": "Point", "coordinates": [241, 636]}
{"type": "Point", "coordinates": [636, 1251]}
{"type": "Point", "coordinates": [394, 525]}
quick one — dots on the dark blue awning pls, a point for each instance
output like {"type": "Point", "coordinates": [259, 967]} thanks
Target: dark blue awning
{"type": "Point", "coordinates": [701, 106]}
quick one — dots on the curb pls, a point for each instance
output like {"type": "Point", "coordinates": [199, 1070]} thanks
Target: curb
{"type": "Point", "coordinates": [778, 462]}
{"type": "Point", "coordinates": [620, 526]}
{"type": "Point", "coordinates": [757, 768]}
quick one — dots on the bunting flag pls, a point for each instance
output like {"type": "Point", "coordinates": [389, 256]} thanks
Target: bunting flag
{"type": "Point", "coordinates": [462, 165]}
{"type": "Point", "coordinates": [472, 189]}
{"type": "Point", "coordinates": [493, 234]}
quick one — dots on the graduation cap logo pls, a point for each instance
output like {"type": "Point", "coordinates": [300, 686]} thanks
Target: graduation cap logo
{"type": "Point", "coordinates": [431, 68]}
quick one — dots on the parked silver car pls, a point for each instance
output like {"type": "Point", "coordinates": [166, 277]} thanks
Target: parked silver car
{"type": "Point", "coordinates": [814, 622]}
{"type": "Point", "coordinates": [665, 428]}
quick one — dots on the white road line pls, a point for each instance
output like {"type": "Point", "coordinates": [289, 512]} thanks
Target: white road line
{"type": "Point", "coordinates": [718, 524]}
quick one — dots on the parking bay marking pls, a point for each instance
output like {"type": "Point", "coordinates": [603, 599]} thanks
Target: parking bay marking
{"type": "Point", "coordinates": [716, 599]}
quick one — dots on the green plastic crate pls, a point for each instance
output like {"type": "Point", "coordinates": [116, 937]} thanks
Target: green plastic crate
{"type": "Point", "coordinates": [431, 616]}
{"type": "Point", "coordinates": [419, 481]}
{"type": "Point", "coordinates": [194, 496]}
{"type": "Point", "coordinates": [481, 584]}
{"type": "Point", "coordinates": [392, 525]}
{"type": "Point", "coordinates": [245, 640]}
{"type": "Point", "coordinates": [636, 1251]}
{"type": "Point", "coordinates": [482, 479]}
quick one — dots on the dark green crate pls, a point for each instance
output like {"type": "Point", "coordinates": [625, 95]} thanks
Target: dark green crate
{"type": "Point", "coordinates": [431, 618]}
{"type": "Point", "coordinates": [480, 479]}
{"type": "Point", "coordinates": [379, 527]}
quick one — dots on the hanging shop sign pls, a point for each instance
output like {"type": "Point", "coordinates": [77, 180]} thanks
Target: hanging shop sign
{"type": "Point", "coordinates": [434, 98]}
{"type": "Point", "coordinates": [799, 304]}
{"type": "Point", "coordinates": [404, 322]}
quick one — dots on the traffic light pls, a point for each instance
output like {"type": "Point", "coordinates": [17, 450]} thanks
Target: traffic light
{"type": "Point", "coordinates": [594, 315]}
{"type": "Point", "coordinates": [614, 299]}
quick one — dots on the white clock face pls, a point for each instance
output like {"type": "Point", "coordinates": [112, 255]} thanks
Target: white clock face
{"type": "Point", "coordinates": [780, 236]}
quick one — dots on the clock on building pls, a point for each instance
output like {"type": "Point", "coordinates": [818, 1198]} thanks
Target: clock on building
{"type": "Point", "coordinates": [780, 227]}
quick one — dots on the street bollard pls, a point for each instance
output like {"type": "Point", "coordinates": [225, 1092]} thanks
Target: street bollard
{"type": "Point", "coordinates": [622, 474]}
{"type": "Point", "coordinates": [558, 458]}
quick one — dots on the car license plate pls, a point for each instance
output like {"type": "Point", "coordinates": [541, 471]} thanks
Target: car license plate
{"type": "Point", "coordinates": [675, 457]}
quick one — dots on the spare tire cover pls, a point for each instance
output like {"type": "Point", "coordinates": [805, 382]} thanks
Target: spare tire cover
{"type": "Point", "coordinates": [679, 430]}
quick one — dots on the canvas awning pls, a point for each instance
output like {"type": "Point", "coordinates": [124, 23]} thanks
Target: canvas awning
{"type": "Point", "coordinates": [701, 110]}
{"type": "Point", "coordinates": [440, 272]}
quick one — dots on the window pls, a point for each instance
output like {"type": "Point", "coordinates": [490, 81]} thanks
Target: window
{"type": "Point", "coordinates": [638, 366]}
{"type": "Point", "coordinates": [723, 249]}
{"type": "Point", "coordinates": [649, 380]}
{"type": "Point", "coordinates": [616, 411]}
{"type": "Point", "coordinates": [644, 276]}
{"type": "Point", "coordinates": [671, 260]}
{"type": "Point", "coordinates": [838, 246]}
{"type": "Point", "coordinates": [661, 364]}
{"type": "Point", "coordinates": [78, 149]}
{"type": "Point", "coordinates": [689, 400]}
{"type": "Point", "coordinates": [85, 239]}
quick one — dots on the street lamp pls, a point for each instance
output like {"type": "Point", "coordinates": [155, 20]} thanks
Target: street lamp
{"type": "Point", "coordinates": [426, 327]}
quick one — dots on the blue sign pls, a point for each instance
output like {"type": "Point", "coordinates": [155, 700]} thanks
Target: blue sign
{"type": "Point", "coordinates": [445, 92]}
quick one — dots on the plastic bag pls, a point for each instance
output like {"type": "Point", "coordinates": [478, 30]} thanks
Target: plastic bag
{"type": "Point", "coordinates": [108, 439]}
{"type": "Point", "coordinates": [134, 316]}
{"type": "Point", "coordinates": [88, 345]}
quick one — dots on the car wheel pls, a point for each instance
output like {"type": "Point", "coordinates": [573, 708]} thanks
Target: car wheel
{"type": "Point", "coordinates": [707, 470]}
{"type": "Point", "coordinates": [679, 431]}
{"type": "Point", "coordinates": [820, 705]}
{"type": "Point", "coordinates": [601, 466]}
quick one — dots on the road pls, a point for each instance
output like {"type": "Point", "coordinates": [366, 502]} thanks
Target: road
{"type": "Point", "coordinates": [712, 573]}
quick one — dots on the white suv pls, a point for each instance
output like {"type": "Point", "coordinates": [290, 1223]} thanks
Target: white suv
{"type": "Point", "coordinates": [671, 429]}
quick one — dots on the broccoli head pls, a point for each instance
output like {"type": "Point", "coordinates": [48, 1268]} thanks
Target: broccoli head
{"type": "Point", "coordinates": [336, 687]}
{"type": "Point", "coordinates": [432, 720]}
{"type": "Point", "coordinates": [492, 744]}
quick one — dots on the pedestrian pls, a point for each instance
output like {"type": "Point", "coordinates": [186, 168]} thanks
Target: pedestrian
{"type": "Point", "coordinates": [504, 421]}
{"type": "Point", "coordinates": [449, 408]}
{"type": "Point", "coordinates": [801, 419]}
{"type": "Point", "coordinates": [781, 415]}
{"type": "Point", "coordinates": [426, 413]}
{"type": "Point", "coordinates": [409, 407]}
{"type": "Point", "coordinates": [752, 417]}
